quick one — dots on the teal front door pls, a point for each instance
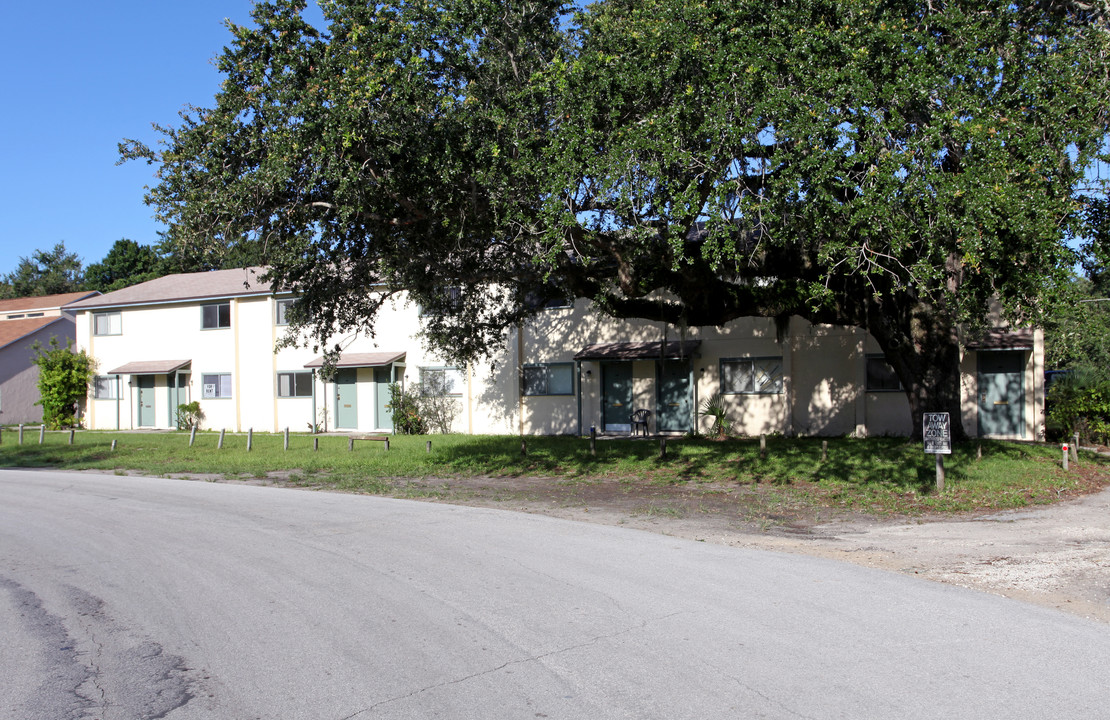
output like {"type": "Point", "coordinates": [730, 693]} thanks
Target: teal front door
{"type": "Point", "coordinates": [616, 397]}
{"type": "Point", "coordinates": [383, 416]}
{"type": "Point", "coordinates": [346, 399]}
{"type": "Point", "coordinates": [675, 399]}
{"type": "Point", "coordinates": [145, 384]}
{"type": "Point", "coordinates": [1002, 393]}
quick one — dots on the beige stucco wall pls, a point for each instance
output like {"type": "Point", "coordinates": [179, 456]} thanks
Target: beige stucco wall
{"type": "Point", "coordinates": [823, 393]}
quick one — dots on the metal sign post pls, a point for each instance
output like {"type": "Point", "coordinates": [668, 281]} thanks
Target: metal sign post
{"type": "Point", "coordinates": [937, 434]}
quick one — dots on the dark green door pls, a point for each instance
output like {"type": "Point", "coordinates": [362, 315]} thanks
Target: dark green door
{"type": "Point", "coordinates": [383, 418]}
{"type": "Point", "coordinates": [1002, 393]}
{"type": "Point", "coordinates": [616, 397]}
{"type": "Point", "coordinates": [675, 411]}
{"type": "Point", "coordinates": [346, 399]}
{"type": "Point", "coordinates": [145, 385]}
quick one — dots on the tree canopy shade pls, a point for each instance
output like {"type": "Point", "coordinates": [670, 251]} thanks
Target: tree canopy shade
{"type": "Point", "coordinates": [893, 166]}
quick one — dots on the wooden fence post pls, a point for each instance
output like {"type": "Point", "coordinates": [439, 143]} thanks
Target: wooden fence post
{"type": "Point", "coordinates": [113, 445]}
{"type": "Point", "coordinates": [250, 439]}
{"type": "Point", "coordinates": [428, 447]}
{"type": "Point", "coordinates": [316, 444]}
{"type": "Point", "coordinates": [523, 446]}
{"type": "Point", "coordinates": [387, 444]}
{"type": "Point", "coordinates": [42, 433]}
{"type": "Point", "coordinates": [1065, 449]}
{"type": "Point", "coordinates": [350, 443]}
{"type": "Point", "coordinates": [593, 441]}
{"type": "Point", "coordinates": [20, 433]}
{"type": "Point", "coordinates": [220, 444]}
{"type": "Point", "coordinates": [287, 437]}
{"type": "Point", "coordinates": [763, 447]}
{"type": "Point", "coordinates": [1075, 449]}
{"type": "Point", "coordinates": [662, 448]}
{"type": "Point", "coordinates": [824, 451]}
{"type": "Point", "coordinates": [71, 431]}
{"type": "Point", "coordinates": [192, 434]}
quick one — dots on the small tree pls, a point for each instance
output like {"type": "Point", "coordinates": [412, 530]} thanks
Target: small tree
{"type": "Point", "coordinates": [437, 405]}
{"type": "Point", "coordinates": [405, 408]}
{"type": "Point", "coordinates": [189, 415]}
{"type": "Point", "coordinates": [63, 383]}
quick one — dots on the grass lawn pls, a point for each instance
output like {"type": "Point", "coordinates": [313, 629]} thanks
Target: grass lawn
{"type": "Point", "coordinates": [880, 475]}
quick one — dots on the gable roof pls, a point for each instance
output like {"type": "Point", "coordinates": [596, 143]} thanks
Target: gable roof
{"type": "Point", "coordinates": [217, 284]}
{"type": "Point", "coordinates": [12, 331]}
{"type": "Point", "coordinates": [43, 302]}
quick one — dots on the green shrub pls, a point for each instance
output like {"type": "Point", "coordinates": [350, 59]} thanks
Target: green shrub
{"type": "Point", "coordinates": [1080, 403]}
{"type": "Point", "coordinates": [63, 382]}
{"type": "Point", "coordinates": [189, 415]}
{"type": "Point", "coordinates": [405, 408]}
{"type": "Point", "coordinates": [714, 407]}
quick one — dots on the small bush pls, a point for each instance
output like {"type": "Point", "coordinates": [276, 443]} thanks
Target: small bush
{"type": "Point", "coordinates": [189, 415]}
{"type": "Point", "coordinates": [714, 407]}
{"type": "Point", "coordinates": [405, 408]}
{"type": "Point", "coordinates": [1080, 403]}
{"type": "Point", "coordinates": [63, 382]}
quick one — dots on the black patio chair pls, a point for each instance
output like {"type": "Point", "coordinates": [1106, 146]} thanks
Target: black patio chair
{"type": "Point", "coordinates": [640, 421]}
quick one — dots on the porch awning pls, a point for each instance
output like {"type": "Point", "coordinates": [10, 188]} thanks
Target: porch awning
{"type": "Point", "coordinates": [150, 367]}
{"type": "Point", "coordinates": [357, 360]}
{"type": "Point", "coordinates": [1003, 339]}
{"type": "Point", "coordinates": [651, 350]}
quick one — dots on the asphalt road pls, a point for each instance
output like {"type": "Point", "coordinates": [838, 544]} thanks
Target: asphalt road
{"type": "Point", "coordinates": [125, 598]}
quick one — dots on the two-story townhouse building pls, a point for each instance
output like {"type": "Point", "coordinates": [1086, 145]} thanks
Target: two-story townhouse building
{"type": "Point", "coordinates": [23, 323]}
{"type": "Point", "coordinates": [211, 337]}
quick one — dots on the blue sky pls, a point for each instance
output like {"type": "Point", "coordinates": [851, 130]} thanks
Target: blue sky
{"type": "Point", "coordinates": [79, 77]}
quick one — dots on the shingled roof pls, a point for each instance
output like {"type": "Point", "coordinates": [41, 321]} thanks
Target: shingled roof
{"type": "Point", "coordinates": [238, 282]}
{"type": "Point", "coordinates": [42, 302]}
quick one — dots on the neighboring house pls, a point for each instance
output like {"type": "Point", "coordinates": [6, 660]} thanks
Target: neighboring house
{"type": "Point", "coordinates": [210, 337]}
{"type": "Point", "coordinates": [23, 322]}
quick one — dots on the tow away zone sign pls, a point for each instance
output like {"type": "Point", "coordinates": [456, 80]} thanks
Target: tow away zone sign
{"type": "Point", "coordinates": [938, 433]}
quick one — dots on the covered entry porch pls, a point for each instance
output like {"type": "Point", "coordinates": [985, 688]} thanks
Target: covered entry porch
{"type": "Point", "coordinates": [155, 388]}
{"type": "Point", "coordinates": [356, 395]}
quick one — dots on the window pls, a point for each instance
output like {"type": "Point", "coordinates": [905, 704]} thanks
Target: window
{"type": "Point", "coordinates": [104, 387]}
{"type": "Point", "coordinates": [215, 316]}
{"type": "Point", "coordinates": [553, 379]}
{"type": "Point", "coordinates": [15, 317]}
{"type": "Point", "coordinates": [31, 315]}
{"type": "Point", "coordinates": [282, 310]}
{"type": "Point", "coordinates": [447, 302]}
{"type": "Point", "coordinates": [880, 375]}
{"type": "Point", "coordinates": [216, 385]}
{"type": "Point", "coordinates": [547, 299]}
{"type": "Point", "coordinates": [441, 381]}
{"type": "Point", "coordinates": [107, 324]}
{"type": "Point", "coordinates": [758, 376]}
{"type": "Point", "coordinates": [295, 384]}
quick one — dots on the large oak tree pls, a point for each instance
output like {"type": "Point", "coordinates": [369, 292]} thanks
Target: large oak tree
{"type": "Point", "coordinates": [895, 165]}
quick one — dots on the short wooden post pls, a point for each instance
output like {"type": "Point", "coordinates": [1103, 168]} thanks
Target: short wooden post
{"type": "Point", "coordinates": [220, 444]}
{"type": "Point", "coordinates": [824, 451]}
{"type": "Point", "coordinates": [316, 444]}
{"type": "Point", "coordinates": [71, 431]}
{"type": "Point", "coordinates": [662, 448]}
{"type": "Point", "coordinates": [250, 439]}
{"type": "Point", "coordinates": [978, 451]}
{"type": "Point", "coordinates": [192, 435]}
{"type": "Point", "coordinates": [523, 446]}
{"type": "Point", "coordinates": [287, 438]}
{"type": "Point", "coordinates": [1065, 450]}
{"type": "Point", "coordinates": [113, 445]}
{"type": "Point", "coordinates": [593, 441]}
{"type": "Point", "coordinates": [1, 435]}
{"type": "Point", "coordinates": [940, 472]}
{"type": "Point", "coordinates": [20, 433]}
{"type": "Point", "coordinates": [387, 444]}
{"type": "Point", "coordinates": [1075, 449]}
{"type": "Point", "coordinates": [762, 447]}
{"type": "Point", "coordinates": [428, 447]}
{"type": "Point", "coordinates": [42, 433]}
{"type": "Point", "coordinates": [350, 444]}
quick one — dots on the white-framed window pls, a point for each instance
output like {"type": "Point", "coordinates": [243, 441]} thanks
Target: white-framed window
{"type": "Point", "coordinates": [881, 376]}
{"type": "Point", "coordinates": [107, 323]}
{"type": "Point", "coordinates": [31, 315]}
{"type": "Point", "coordinates": [16, 316]}
{"type": "Point", "coordinates": [549, 379]}
{"type": "Point", "coordinates": [215, 385]}
{"type": "Point", "coordinates": [104, 387]}
{"type": "Point", "coordinates": [295, 384]}
{"type": "Point", "coordinates": [282, 310]}
{"type": "Point", "coordinates": [441, 381]}
{"type": "Point", "coordinates": [751, 376]}
{"type": "Point", "coordinates": [215, 316]}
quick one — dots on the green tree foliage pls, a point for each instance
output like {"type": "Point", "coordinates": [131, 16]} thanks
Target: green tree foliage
{"type": "Point", "coordinates": [63, 382]}
{"type": "Point", "coordinates": [891, 166]}
{"type": "Point", "coordinates": [127, 263]}
{"type": "Point", "coordinates": [46, 272]}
